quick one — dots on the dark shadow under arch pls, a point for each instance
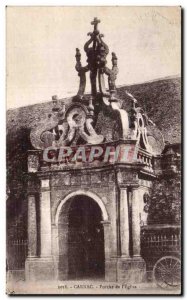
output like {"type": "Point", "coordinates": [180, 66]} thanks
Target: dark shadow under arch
{"type": "Point", "coordinates": [81, 239]}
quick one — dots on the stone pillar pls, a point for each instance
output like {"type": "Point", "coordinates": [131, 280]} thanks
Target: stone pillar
{"type": "Point", "coordinates": [43, 266]}
{"type": "Point", "coordinates": [55, 249]}
{"type": "Point", "coordinates": [135, 222]}
{"type": "Point", "coordinates": [124, 222]}
{"type": "Point", "coordinates": [110, 262]}
{"type": "Point", "coordinates": [63, 265]}
{"type": "Point", "coordinates": [106, 228]}
{"type": "Point", "coordinates": [45, 219]}
{"type": "Point", "coordinates": [32, 226]}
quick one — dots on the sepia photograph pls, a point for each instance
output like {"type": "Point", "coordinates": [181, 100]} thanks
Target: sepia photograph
{"type": "Point", "coordinates": [93, 150]}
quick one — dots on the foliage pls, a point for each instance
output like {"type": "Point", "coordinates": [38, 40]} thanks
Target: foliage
{"type": "Point", "coordinates": [165, 201]}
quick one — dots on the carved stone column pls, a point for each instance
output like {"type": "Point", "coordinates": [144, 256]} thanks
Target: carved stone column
{"type": "Point", "coordinates": [106, 228]}
{"type": "Point", "coordinates": [63, 265]}
{"type": "Point", "coordinates": [110, 262]}
{"type": "Point", "coordinates": [45, 219]}
{"type": "Point", "coordinates": [43, 266]}
{"type": "Point", "coordinates": [55, 249]}
{"type": "Point", "coordinates": [124, 222]}
{"type": "Point", "coordinates": [135, 221]}
{"type": "Point", "coordinates": [32, 226]}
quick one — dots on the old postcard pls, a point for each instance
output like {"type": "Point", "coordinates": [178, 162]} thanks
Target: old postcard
{"type": "Point", "coordinates": [93, 150]}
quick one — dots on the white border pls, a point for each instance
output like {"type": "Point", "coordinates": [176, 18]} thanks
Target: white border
{"type": "Point", "coordinates": [4, 3]}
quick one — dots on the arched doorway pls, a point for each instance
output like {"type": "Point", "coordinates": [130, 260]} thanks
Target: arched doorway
{"type": "Point", "coordinates": [81, 239]}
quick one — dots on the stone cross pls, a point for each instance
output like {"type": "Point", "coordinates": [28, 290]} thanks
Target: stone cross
{"type": "Point", "coordinates": [95, 22]}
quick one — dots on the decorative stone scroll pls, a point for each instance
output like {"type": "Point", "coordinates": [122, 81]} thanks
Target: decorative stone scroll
{"type": "Point", "coordinates": [142, 129]}
{"type": "Point", "coordinates": [65, 128]}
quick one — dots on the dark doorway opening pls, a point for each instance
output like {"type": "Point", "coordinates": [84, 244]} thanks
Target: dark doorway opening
{"type": "Point", "coordinates": [85, 239]}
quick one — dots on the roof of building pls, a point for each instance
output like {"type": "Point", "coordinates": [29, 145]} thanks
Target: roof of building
{"type": "Point", "coordinates": [160, 99]}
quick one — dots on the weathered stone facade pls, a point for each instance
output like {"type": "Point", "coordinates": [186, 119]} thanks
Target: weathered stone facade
{"type": "Point", "coordinates": [118, 186]}
{"type": "Point", "coordinates": [117, 192]}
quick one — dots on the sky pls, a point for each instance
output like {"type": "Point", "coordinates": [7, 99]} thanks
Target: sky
{"type": "Point", "coordinates": [41, 42]}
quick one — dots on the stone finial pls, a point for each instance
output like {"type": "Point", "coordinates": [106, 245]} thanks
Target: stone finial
{"type": "Point", "coordinates": [63, 107]}
{"type": "Point", "coordinates": [54, 98]}
{"type": "Point", "coordinates": [55, 103]}
{"type": "Point", "coordinates": [95, 22]}
{"type": "Point", "coordinates": [78, 55]}
{"type": "Point", "coordinates": [96, 51]}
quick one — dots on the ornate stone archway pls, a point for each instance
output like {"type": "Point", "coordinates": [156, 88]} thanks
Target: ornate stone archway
{"type": "Point", "coordinates": [62, 227]}
{"type": "Point", "coordinates": [92, 195]}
